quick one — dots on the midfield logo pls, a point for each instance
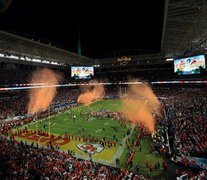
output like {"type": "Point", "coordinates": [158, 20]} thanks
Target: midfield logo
{"type": "Point", "coordinates": [90, 148]}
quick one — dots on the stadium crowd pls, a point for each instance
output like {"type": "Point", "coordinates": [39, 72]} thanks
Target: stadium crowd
{"type": "Point", "coordinates": [16, 77]}
{"type": "Point", "coordinates": [15, 103]}
{"type": "Point", "coordinates": [20, 161]}
{"type": "Point", "coordinates": [188, 174]}
{"type": "Point", "coordinates": [13, 77]}
{"type": "Point", "coordinates": [187, 112]}
{"type": "Point", "coordinates": [186, 122]}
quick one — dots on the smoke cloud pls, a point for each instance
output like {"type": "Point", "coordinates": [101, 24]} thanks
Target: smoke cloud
{"type": "Point", "coordinates": [41, 98]}
{"type": "Point", "coordinates": [91, 93]}
{"type": "Point", "coordinates": [139, 105]}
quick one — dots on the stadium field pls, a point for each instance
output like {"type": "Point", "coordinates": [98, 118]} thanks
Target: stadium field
{"type": "Point", "coordinates": [89, 127]}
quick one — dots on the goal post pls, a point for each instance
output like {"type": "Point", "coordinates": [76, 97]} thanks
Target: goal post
{"type": "Point", "coordinates": [122, 92]}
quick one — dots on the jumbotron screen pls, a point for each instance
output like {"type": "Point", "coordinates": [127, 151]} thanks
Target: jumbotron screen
{"type": "Point", "coordinates": [82, 72]}
{"type": "Point", "coordinates": [189, 65]}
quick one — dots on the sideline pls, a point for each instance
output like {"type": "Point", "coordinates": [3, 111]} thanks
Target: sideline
{"type": "Point", "coordinates": [166, 131]}
{"type": "Point", "coordinates": [48, 117]}
{"type": "Point", "coordinates": [121, 148]}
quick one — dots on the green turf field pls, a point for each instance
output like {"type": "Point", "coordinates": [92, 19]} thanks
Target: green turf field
{"type": "Point", "coordinates": [93, 127]}
{"type": "Point", "coordinates": [140, 158]}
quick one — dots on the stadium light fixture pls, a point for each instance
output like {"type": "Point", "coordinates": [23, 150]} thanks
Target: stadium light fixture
{"type": "Point", "coordinates": [28, 59]}
{"type": "Point", "coordinates": [14, 57]}
{"type": "Point", "coordinates": [36, 60]}
{"type": "Point", "coordinates": [96, 65]}
{"type": "Point", "coordinates": [54, 63]}
{"type": "Point", "coordinates": [169, 59]}
{"type": "Point", "coordinates": [46, 62]}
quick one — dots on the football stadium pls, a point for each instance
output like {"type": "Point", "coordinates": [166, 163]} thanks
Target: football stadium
{"type": "Point", "coordinates": [131, 114]}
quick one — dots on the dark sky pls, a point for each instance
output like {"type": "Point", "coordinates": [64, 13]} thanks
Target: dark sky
{"type": "Point", "coordinates": [105, 26]}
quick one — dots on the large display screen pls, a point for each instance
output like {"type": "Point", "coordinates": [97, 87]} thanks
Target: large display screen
{"type": "Point", "coordinates": [189, 65]}
{"type": "Point", "coordinates": [82, 72]}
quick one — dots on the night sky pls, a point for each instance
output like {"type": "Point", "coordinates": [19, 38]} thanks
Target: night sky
{"type": "Point", "coordinates": [104, 26]}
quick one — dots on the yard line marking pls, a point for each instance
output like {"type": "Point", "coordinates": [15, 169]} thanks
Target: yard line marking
{"type": "Point", "coordinates": [98, 130]}
{"type": "Point", "coordinates": [106, 124]}
{"type": "Point", "coordinates": [53, 124]}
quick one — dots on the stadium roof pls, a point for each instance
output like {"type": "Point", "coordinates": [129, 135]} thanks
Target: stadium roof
{"type": "Point", "coordinates": [17, 45]}
{"type": "Point", "coordinates": [184, 27]}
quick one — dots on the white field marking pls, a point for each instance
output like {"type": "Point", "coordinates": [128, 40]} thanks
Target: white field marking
{"type": "Point", "coordinates": [82, 106]}
{"type": "Point", "coordinates": [120, 149]}
{"type": "Point", "coordinates": [38, 121]}
{"type": "Point", "coordinates": [98, 130]}
{"type": "Point", "coordinates": [54, 124]}
{"type": "Point", "coordinates": [59, 113]}
{"type": "Point", "coordinates": [91, 119]}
